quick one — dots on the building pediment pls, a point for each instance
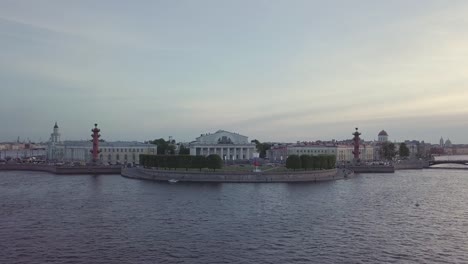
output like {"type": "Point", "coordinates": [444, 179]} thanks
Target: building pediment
{"type": "Point", "coordinates": [222, 137]}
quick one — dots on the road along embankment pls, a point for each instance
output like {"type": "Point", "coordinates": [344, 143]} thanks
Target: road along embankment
{"type": "Point", "coordinates": [242, 177]}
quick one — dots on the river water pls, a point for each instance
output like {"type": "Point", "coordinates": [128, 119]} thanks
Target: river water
{"type": "Point", "coordinates": [372, 218]}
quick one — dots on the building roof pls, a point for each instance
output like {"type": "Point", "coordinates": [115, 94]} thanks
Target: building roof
{"type": "Point", "coordinates": [383, 133]}
{"type": "Point", "coordinates": [55, 125]}
{"type": "Point", "coordinates": [107, 144]}
{"type": "Point", "coordinates": [219, 136]}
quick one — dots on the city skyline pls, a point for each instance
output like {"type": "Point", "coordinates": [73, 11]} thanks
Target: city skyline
{"type": "Point", "coordinates": [42, 140]}
{"type": "Point", "coordinates": [271, 70]}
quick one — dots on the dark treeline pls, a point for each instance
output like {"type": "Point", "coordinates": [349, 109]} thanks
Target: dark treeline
{"type": "Point", "coordinates": [181, 161]}
{"type": "Point", "coordinates": [308, 162]}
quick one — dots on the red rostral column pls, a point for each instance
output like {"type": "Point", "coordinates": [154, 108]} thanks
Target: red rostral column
{"type": "Point", "coordinates": [356, 141]}
{"type": "Point", "coordinates": [95, 151]}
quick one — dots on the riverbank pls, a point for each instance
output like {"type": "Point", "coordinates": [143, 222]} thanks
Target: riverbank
{"type": "Point", "coordinates": [241, 177]}
{"type": "Point", "coordinates": [447, 168]}
{"type": "Point", "coordinates": [62, 170]}
{"type": "Point", "coordinates": [411, 165]}
{"type": "Point", "coordinates": [372, 169]}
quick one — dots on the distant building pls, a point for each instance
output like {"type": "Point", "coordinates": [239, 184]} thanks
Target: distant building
{"type": "Point", "coordinates": [342, 150]}
{"type": "Point", "coordinates": [228, 145]}
{"type": "Point", "coordinates": [460, 149]}
{"type": "Point", "coordinates": [415, 148]}
{"type": "Point", "coordinates": [345, 153]}
{"type": "Point", "coordinates": [55, 136]}
{"type": "Point", "coordinates": [312, 149]}
{"type": "Point", "coordinates": [277, 153]}
{"type": "Point", "coordinates": [448, 143]}
{"type": "Point", "coordinates": [382, 136]}
{"type": "Point", "coordinates": [111, 152]}
{"type": "Point", "coordinates": [55, 150]}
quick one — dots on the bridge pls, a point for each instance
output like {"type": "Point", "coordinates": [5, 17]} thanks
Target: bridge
{"type": "Point", "coordinates": [435, 162]}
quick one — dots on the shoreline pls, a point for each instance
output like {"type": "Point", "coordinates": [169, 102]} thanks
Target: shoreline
{"type": "Point", "coordinates": [62, 170]}
{"type": "Point", "coordinates": [236, 177]}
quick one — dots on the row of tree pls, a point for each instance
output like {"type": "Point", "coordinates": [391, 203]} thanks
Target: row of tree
{"type": "Point", "coordinates": [261, 148]}
{"type": "Point", "coordinates": [388, 151]}
{"type": "Point", "coordinates": [168, 147]}
{"type": "Point", "coordinates": [181, 161]}
{"type": "Point", "coordinates": [308, 162]}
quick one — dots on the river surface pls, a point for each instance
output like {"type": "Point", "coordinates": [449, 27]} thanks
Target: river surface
{"type": "Point", "coordinates": [372, 218]}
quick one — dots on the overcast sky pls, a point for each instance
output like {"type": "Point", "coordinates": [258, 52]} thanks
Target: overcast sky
{"type": "Point", "coordinates": [282, 70]}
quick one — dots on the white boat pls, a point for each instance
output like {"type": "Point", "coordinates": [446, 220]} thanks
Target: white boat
{"type": "Point", "coordinates": [173, 181]}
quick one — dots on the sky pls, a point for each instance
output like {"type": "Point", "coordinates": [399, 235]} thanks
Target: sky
{"type": "Point", "coordinates": [283, 70]}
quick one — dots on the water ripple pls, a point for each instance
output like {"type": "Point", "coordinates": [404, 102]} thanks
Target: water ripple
{"type": "Point", "coordinates": [110, 219]}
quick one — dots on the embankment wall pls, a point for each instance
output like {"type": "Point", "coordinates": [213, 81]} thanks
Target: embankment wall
{"type": "Point", "coordinates": [62, 169]}
{"type": "Point", "coordinates": [372, 169]}
{"type": "Point", "coordinates": [194, 176]}
{"type": "Point", "coordinates": [411, 165]}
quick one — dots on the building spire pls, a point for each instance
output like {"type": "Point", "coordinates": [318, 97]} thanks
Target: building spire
{"type": "Point", "coordinates": [55, 136]}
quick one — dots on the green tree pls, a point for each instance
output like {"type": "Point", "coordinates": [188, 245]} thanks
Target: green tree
{"type": "Point", "coordinates": [306, 161]}
{"type": "Point", "coordinates": [261, 148]}
{"type": "Point", "coordinates": [314, 160]}
{"type": "Point", "coordinates": [265, 147]}
{"type": "Point", "coordinates": [293, 162]}
{"type": "Point", "coordinates": [170, 149]}
{"type": "Point", "coordinates": [183, 150]}
{"type": "Point", "coordinates": [162, 161]}
{"type": "Point", "coordinates": [322, 161]}
{"type": "Point", "coordinates": [256, 142]}
{"type": "Point", "coordinates": [184, 161]}
{"type": "Point", "coordinates": [162, 145]}
{"type": "Point", "coordinates": [214, 162]}
{"type": "Point", "coordinates": [387, 150]}
{"type": "Point", "coordinates": [198, 162]}
{"type": "Point", "coordinates": [144, 160]}
{"type": "Point", "coordinates": [172, 162]}
{"type": "Point", "coordinates": [331, 161]}
{"type": "Point", "coordinates": [404, 151]}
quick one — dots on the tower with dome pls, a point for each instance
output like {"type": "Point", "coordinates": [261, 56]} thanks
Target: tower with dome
{"type": "Point", "coordinates": [383, 136]}
{"type": "Point", "coordinates": [55, 136]}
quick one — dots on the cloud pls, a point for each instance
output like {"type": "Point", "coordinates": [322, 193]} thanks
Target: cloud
{"type": "Point", "coordinates": [298, 76]}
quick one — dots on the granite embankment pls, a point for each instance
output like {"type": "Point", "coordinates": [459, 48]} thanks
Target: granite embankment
{"type": "Point", "coordinates": [372, 169]}
{"type": "Point", "coordinates": [62, 169]}
{"type": "Point", "coordinates": [196, 176]}
{"type": "Point", "coordinates": [411, 165]}
{"type": "Point", "coordinates": [402, 165]}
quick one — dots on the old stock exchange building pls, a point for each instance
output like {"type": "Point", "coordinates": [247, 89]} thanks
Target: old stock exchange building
{"type": "Point", "coordinates": [228, 145]}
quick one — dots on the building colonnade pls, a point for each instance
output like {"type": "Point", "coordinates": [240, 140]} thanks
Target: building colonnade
{"type": "Point", "coordinates": [225, 152]}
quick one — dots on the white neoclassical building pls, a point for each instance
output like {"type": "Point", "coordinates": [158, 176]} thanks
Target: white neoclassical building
{"type": "Point", "coordinates": [228, 145]}
{"type": "Point", "coordinates": [111, 152]}
{"type": "Point", "coordinates": [343, 152]}
{"type": "Point", "coordinates": [313, 150]}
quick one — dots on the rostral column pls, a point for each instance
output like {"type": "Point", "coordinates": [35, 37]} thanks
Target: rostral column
{"type": "Point", "coordinates": [356, 142]}
{"type": "Point", "coordinates": [95, 151]}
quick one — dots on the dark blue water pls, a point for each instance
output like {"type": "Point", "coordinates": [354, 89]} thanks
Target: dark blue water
{"type": "Point", "coordinates": [109, 219]}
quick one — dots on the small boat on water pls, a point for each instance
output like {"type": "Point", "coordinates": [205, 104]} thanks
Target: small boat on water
{"type": "Point", "coordinates": [173, 181]}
